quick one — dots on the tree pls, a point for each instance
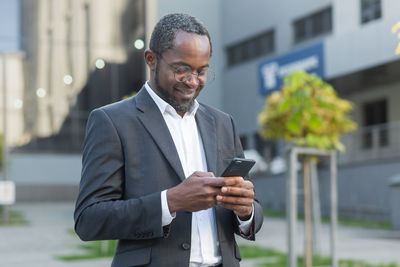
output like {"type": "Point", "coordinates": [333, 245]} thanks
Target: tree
{"type": "Point", "coordinates": [396, 28]}
{"type": "Point", "coordinates": [306, 112]}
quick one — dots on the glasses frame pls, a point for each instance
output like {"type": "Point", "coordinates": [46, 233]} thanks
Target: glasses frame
{"type": "Point", "coordinates": [208, 73]}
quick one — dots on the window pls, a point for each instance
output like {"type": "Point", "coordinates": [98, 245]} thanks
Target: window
{"type": "Point", "coordinates": [370, 10]}
{"type": "Point", "coordinates": [313, 25]}
{"type": "Point", "coordinates": [251, 48]}
{"type": "Point", "coordinates": [375, 117]}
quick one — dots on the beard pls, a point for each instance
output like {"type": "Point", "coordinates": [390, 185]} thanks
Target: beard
{"type": "Point", "coordinates": [184, 106]}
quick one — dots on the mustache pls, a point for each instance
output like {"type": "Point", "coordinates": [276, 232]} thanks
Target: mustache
{"type": "Point", "coordinates": [185, 86]}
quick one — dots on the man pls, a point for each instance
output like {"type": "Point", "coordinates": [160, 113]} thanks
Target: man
{"type": "Point", "coordinates": [149, 164]}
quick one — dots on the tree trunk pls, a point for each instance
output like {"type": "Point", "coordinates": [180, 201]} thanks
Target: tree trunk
{"type": "Point", "coordinates": [307, 214]}
{"type": "Point", "coordinates": [315, 208]}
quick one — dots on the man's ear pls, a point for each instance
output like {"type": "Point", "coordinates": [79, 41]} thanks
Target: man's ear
{"type": "Point", "coordinates": [151, 59]}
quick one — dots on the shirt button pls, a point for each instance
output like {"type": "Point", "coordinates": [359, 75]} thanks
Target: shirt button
{"type": "Point", "coordinates": [185, 246]}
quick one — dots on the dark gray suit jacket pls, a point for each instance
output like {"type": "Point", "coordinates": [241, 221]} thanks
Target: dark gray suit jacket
{"type": "Point", "coordinates": [129, 157]}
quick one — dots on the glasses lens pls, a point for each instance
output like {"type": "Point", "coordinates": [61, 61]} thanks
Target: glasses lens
{"type": "Point", "coordinates": [182, 74]}
{"type": "Point", "coordinates": [207, 76]}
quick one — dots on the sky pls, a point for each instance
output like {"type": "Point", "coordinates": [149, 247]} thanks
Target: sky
{"type": "Point", "coordinates": [9, 27]}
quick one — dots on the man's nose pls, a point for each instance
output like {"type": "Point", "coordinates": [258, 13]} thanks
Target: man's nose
{"type": "Point", "coordinates": [193, 81]}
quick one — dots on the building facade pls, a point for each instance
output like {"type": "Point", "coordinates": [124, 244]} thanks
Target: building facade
{"type": "Point", "coordinates": [358, 59]}
{"type": "Point", "coordinates": [350, 45]}
{"type": "Point", "coordinates": [356, 55]}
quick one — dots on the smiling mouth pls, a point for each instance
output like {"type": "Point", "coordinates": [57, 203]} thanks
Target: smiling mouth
{"type": "Point", "coordinates": [186, 91]}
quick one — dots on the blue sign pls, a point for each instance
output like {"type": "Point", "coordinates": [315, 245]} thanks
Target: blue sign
{"type": "Point", "coordinates": [273, 71]}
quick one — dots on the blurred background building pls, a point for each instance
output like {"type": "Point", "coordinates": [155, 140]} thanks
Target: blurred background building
{"type": "Point", "coordinates": [68, 57]}
{"type": "Point", "coordinates": [74, 56]}
{"type": "Point", "coordinates": [349, 44]}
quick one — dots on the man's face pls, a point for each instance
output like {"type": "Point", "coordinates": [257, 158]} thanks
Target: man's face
{"type": "Point", "coordinates": [190, 50]}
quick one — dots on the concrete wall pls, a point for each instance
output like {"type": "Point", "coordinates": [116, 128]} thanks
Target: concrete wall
{"type": "Point", "coordinates": [44, 169]}
{"type": "Point", "coordinates": [363, 190]}
{"type": "Point", "coordinates": [45, 177]}
{"type": "Point", "coordinates": [45, 193]}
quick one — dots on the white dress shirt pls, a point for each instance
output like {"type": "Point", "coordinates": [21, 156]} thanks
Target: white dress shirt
{"type": "Point", "coordinates": [204, 249]}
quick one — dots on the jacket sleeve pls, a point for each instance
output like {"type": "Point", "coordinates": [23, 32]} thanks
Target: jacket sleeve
{"type": "Point", "coordinates": [258, 218]}
{"type": "Point", "coordinates": [101, 211]}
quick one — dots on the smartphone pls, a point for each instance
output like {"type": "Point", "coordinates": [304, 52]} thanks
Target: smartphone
{"type": "Point", "coordinates": [238, 167]}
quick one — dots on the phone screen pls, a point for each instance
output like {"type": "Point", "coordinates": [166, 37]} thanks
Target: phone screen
{"type": "Point", "coordinates": [238, 167]}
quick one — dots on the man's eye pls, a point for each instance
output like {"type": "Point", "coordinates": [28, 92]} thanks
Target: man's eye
{"type": "Point", "coordinates": [182, 70]}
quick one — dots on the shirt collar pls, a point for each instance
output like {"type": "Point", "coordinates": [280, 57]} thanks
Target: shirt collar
{"type": "Point", "coordinates": [164, 107]}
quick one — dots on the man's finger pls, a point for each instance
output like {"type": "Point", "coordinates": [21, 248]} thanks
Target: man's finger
{"type": "Point", "coordinates": [214, 181]}
{"type": "Point", "coordinates": [234, 180]}
{"type": "Point", "coordinates": [237, 191]}
{"type": "Point", "coordinates": [247, 184]}
{"type": "Point", "coordinates": [203, 174]}
{"type": "Point", "coordinates": [243, 201]}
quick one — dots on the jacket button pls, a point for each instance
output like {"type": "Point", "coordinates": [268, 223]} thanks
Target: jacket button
{"type": "Point", "coordinates": [185, 246]}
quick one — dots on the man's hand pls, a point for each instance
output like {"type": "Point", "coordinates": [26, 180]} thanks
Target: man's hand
{"type": "Point", "coordinates": [237, 195]}
{"type": "Point", "coordinates": [197, 192]}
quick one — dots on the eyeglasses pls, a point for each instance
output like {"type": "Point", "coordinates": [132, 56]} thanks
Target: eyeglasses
{"type": "Point", "coordinates": [184, 73]}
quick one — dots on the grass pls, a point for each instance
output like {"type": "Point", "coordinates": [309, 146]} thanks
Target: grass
{"type": "Point", "coordinates": [266, 257]}
{"type": "Point", "coordinates": [273, 258]}
{"type": "Point", "coordinates": [346, 222]}
{"type": "Point", "coordinates": [274, 213]}
{"type": "Point", "coordinates": [14, 218]}
{"type": "Point", "coordinates": [93, 250]}
{"type": "Point", "coordinates": [364, 224]}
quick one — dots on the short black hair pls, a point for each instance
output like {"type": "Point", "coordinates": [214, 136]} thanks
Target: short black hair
{"type": "Point", "coordinates": [165, 31]}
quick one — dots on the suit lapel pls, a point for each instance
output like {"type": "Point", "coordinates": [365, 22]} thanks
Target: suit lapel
{"type": "Point", "coordinates": [153, 121]}
{"type": "Point", "coordinates": [207, 128]}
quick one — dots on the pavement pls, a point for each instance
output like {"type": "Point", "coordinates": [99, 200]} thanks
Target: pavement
{"type": "Point", "coordinates": [48, 235]}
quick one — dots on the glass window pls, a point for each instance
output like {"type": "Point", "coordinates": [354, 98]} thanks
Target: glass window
{"type": "Point", "coordinates": [375, 118]}
{"type": "Point", "coordinates": [370, 10]}
{"type": "Point", "coordinates": [313, 25]}
{"type": "Point", "coordinates": [321, 22]}
{"type": "Point", "coordinates": [300, 30]}
{"type": "Point", "coordinates": [251, 48]}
